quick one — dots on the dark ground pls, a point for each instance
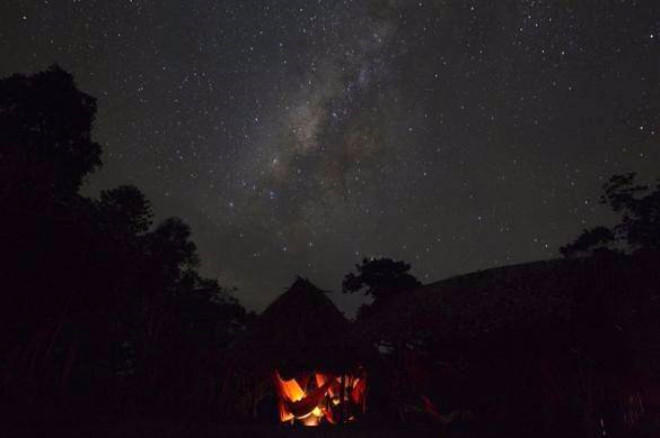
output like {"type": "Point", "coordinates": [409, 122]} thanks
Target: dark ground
{"type": "Point", "coordinates": [164, 429]}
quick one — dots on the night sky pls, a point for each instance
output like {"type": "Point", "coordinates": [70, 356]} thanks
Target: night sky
{"type": "Point", "coordinates": [297, 137]}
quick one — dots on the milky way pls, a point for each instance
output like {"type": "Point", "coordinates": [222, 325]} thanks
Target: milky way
{"type": "Point", "coordinates": [297, 137]}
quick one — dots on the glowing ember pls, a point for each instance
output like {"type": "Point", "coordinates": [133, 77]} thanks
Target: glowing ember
{"type": "Point", "coordinates": [317, 397]}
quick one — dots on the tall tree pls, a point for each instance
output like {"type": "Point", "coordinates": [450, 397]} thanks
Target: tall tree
{"type": "Point", "coordinates": [93, 298]}
{"type": "Point", "coordinates": [379, 279]}
{"type": "Point", "coordinates": [46, 150]}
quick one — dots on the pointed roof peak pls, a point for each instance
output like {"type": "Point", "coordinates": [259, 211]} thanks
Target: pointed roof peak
{"type": "Point", "coordinates": [303, 296]}
{"type": "Point", "coordinates": [301, 329]}
{"type": "Point", "coordinates": [301, 282]}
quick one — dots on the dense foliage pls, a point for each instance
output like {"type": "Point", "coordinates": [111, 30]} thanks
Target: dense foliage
{"type": "Point", "coordinates": [639, 226]}
{"type": "Point", "coordinates": [102, 311]}
{"type": "Point", "coordinates": [379, 279]}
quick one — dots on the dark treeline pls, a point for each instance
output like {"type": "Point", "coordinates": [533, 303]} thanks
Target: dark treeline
{"type": "Point", "coordinates": [102, 313]}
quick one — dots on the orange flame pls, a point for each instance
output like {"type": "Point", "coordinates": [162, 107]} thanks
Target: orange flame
{"type": "Point", "coordinates": [316, 399]}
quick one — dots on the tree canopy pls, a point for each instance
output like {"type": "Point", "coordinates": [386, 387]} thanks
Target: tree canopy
{"type": "Point", "coordinates": [380, 279]}
{"type": "Point", "coordinates": [46, 125]}
{"type": "Point", "coordinates": [96, 301]}
{"type": "Point", "coordinates": [638, 206]}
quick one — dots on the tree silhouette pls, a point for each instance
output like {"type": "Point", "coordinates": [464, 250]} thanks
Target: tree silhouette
{"type": "Point", "coordinates": [46, 134]}
{"type": "Point", "coordinates": [125, 210]}
{"type": "Point", "coordinates": [100, 311]}
{"type": "Point", "coordinates": [379, 279]}
{"type": "Point", "coordinates": [597, 238]}
{"type": "Point", "coordinates": [639, 228]}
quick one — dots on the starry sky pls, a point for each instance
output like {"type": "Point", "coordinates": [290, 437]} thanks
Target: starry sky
{"type": "Point", "coordinates": [299, 136]}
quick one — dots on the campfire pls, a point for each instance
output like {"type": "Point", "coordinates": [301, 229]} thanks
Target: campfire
{"type": "Point", "coordinates": [315, 398]}
{"type": "Point", "coordinates": [318, 375]}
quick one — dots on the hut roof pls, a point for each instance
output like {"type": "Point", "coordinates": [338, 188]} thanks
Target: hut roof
{"type": "Point", "coordinates": [515, 297]}
{"type": "Point", "coordinates": [301, 330]}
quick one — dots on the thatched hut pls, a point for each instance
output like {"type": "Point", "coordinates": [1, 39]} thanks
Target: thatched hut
{"type": "Point", "coordinates": [300, 352]}
{"type": "Point", "coordinates": [547, 345]}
